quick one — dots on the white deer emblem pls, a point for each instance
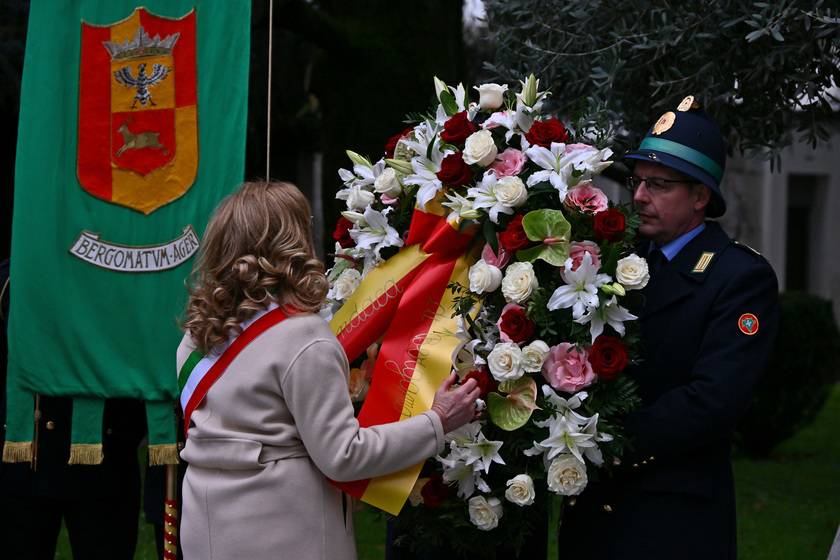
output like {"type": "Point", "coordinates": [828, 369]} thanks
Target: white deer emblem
{"type": "Point", "coordinates": [137, 141]}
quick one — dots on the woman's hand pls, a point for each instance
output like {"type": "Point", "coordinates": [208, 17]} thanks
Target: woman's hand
{"type": "Point", "coordinates": [455, 407]}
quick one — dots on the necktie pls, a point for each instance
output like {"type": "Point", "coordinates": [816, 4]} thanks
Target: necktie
{"type": "Point", "coordinates": [656, 260]}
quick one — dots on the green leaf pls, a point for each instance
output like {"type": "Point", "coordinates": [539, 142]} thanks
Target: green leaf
{"type": "Point", "coordinates": [513, 411]}
{"type": "Point", "coordinates": [450, 105]}
{"type": "Point", "coordinates": [552, 230]}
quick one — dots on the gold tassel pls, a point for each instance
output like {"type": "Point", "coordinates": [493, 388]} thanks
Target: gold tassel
{"type": "Point", "coordinates": [85, 454]}
{"type": "Point", "coordinates": [163, 454]}
{"type": "Point", "coordinates": [17, 452]}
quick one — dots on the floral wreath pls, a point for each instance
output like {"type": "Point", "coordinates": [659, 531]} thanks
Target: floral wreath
{"type": "Point", "coordinates": [544, 325]}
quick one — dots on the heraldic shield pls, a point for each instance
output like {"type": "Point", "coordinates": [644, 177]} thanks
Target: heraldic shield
{"type": "Point", "coordinates": [138, 115]}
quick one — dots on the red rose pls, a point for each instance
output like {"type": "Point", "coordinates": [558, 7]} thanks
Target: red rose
{"type": "Point", "coordinates": [392, 143]}
{"type": "Point", "coordinates": [609, 225]}
{"type": "Point", "coordinates": [513, 238]}
{"type": "Point", "coordinates": [486, 383]}
{"type": "Point", "coordinates": [457, 129]}
{"type": "Point", "coordinates": [435, 492]}
{"type": "Point", "coordinates": [543, 133]}
{"type": "Point", "coordinates": [453, 171]}
{"type": "Point", "coordinates": [608, 356]}
{"type": "Point", "coordinates": [514, 325]}
{"type": "Point", "coordinates": [342, 233]}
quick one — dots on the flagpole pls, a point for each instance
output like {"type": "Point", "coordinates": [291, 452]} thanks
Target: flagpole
{"type": "Point", "coordinates": [170, 518]}
{"type": "Point", "coordinates": [268, 119]}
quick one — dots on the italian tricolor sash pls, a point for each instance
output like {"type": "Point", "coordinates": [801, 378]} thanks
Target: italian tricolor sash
{"type": "Point", "coordinates": [201, 370]}
{"type": "Point", "coordinates": [406, 301]}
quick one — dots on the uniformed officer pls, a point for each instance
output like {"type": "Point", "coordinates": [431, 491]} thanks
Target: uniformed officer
{"type": "Point", "coordinates": [98, 504]}
{"type": "Point", "coordinates": [708, 325]}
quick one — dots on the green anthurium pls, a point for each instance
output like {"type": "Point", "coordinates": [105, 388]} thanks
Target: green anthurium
{"type": "Point", "coordinates": [513, 411]}
{"type": "Point", "coordinates": [551, 228]}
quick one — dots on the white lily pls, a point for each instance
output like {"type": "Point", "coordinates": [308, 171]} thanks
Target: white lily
{"type": "Point", "coordinates": [557, 167]}
{"type": "Point", "coordinates": [566, 407]}
{"type": "Point", "coordinates": [376, 234]}
{"type": "Point", "coordinates": [456, 469]}
{"type": "Point", "coordinates": [581, 291]}
{"type": "Point", "coordinates": [610, 313]}
{"type": "Point", "coordinates": [569, 437]}
{"type": "Point", "coordinates": [505, 119]}
{"type": "Point", "coordinates": [588, 161]}
{"type": "Point", "coordinates": [483, 452]}
{"type": "Point", "coordinates": [462, 208]}
{"type": "Point", "coordinates": [426, 165]}
{"type": "Point", "coordinates": [484, 197]}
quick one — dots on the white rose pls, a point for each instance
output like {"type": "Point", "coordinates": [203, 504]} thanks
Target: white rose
{"type": "Point", "coordinates": [359, 199]}
{"type": "Point", "coordinates": [519, 282]}
{"type": "Point", "coordinates": [388, 184]}
{"type": "Point", "coordinates": [566, 475]}
{"type": "Point", "coordinates": [632, 272]}
{"type": "Point", "coordinates": [485, 513]}
{"type": "Point", "coordinates": [520, 490]}
{"type": "Point", "coordinates": [510, 191]}
{"type": "Point", "coordinates": [345, 284]}
{"type": "Point", "coordinates": [534, 355]}
{"type": "Point", "coordinates": [479, 149]}
{"type": "Point", "coordinates": [490, 96]}
{"type": "Point", "coordinates": [484, 277]}
{"type": "Point", "coordinates": [505, 361]}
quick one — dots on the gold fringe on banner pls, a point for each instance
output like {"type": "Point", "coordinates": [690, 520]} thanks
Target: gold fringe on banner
{"type": "Point", "coordinates": [85, 454]}
{"type": "Point", "coordinates": [17, 452]}
{"type": "Point", "coordinates": [164, 454]}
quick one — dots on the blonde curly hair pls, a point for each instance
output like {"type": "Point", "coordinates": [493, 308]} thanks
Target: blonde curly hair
{"type": "Point", "coordinates": [257, 249]}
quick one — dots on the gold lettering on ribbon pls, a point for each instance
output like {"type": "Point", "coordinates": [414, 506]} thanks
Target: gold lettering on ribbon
{"type": "Point", "coordinates": [413, 369]}
{"type": "Point", "coordinates": [370, 305]}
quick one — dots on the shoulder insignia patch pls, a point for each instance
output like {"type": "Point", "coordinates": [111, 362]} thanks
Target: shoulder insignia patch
{"type": "Point", "coordinates": [748, 323]}
{"type": "Point", "coordinates": [703, 262]}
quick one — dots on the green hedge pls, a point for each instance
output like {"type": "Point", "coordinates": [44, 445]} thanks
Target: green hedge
{"type": "Point", "coordinates": [804, 366]}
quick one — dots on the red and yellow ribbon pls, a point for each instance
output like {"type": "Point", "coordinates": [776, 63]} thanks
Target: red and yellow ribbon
{"type": "Point", "coordinates": [406, 299]}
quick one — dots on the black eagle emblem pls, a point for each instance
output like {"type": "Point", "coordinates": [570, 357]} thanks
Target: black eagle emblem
{"type": "Point", "coordinates": [142, 82]}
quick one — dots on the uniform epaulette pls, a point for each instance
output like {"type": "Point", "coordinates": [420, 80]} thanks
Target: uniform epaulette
{"type": "Point", "coordinates": [748, 249]}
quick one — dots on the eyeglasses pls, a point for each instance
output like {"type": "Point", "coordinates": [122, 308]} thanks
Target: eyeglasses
{"type": "Point", "coordinates": [656, 185]}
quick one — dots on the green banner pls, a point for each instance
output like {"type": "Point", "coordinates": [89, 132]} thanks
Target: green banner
{"type": "Point", "coordinates": [132, 128]}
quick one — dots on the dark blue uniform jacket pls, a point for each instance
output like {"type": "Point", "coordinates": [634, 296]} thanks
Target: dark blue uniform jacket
{"type": "Point", "coordinates": [709, 323]}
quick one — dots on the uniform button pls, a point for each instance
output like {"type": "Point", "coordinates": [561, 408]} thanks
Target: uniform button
{"type": "Point", "coordinates": [607, 508]}
{"type": "Point", "coordinates": [50, 425]}
{"type": "Point", "coordinates": [110, 432]}
{"type": "Point", "coordinates": [180, 445]}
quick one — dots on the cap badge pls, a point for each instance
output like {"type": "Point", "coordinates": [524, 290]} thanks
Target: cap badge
{"type": "Point", "coordinates": [748, 323]}
{"type": "Point", "coordinates": [688, 103]}
{"type": "Point", "coordinates": [664, 123]}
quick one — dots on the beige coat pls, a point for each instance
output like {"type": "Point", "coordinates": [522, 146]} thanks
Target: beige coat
{"type": "Point", "coordinates": [270, 431]}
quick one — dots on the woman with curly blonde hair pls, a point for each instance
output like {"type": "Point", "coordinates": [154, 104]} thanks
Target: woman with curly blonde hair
{"type": "Point", "coordinates": [276, 420]}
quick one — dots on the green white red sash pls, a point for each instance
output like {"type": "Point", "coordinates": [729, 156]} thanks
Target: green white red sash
{"type": "Point", "coordinates": [201, 370]}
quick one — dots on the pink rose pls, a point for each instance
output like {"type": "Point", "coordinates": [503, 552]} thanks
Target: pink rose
{"type": "Point", "coordinates": [567, 369]}
{"type": "Point", "coordinates": [576, 147]}
{"type": "Point", "coordinates": [511, 163]}
{"type": "Point", "coordinates": [586, 198]}
{"type": "Point", "coordinates": [576, 251]}
{"type": "Point", "coordinates": [493, 259]}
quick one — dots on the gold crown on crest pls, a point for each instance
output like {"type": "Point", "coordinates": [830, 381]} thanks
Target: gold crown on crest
{"type": "Point", "coordinates": [141, 46]}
